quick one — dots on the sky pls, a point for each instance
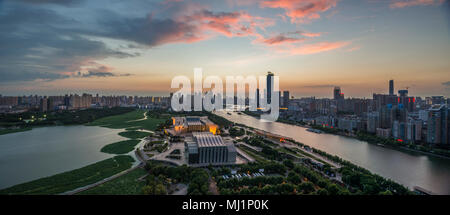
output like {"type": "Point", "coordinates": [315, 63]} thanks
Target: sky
{"type": "Point", "coordinates": [136, 47]}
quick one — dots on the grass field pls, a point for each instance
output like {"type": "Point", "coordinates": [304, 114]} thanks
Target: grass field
{"type": "Point", "coordinates": [128, 120]}
{"type": "Point", "coordinates": [71, 180]}
{"type": "Point", "coordinates": [124, 185]}
{"type": "Point", "coordinates": [134, 134]}
{"type": "Point", "coordinates": [121, 147]}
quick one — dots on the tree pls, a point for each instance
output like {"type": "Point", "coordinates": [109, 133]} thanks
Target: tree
{"type": "Point", "coordinates": [387, 192]}
{"type": "Point", "coordinates": [288, 163]}
{"type": "Point", "coordinates": [294, 178]}
{"type": "Point", "coordinates": [322, 192]}
{"type": "Point", "coordinates": [333, 189]}
{"type": "Point", "coordinates": [147, 190]}
{"type": "Point", "coordinates": [160, 189]}
{"type": "Point", "coordinates": [322, 183]}
{"type": "Point", "coordinates": [306, 187]}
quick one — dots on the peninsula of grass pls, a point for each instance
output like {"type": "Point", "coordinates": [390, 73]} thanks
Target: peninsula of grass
{"type": "Point", "coordinates": [131, 120]}
{"type": "Point", "coordinates": [134, 134]}
{"type": "Point", "coordinates": [127, 184]}
{"type": "Point", "coordinates": [71, 180]}
{"type": "Point", "coordinates": [121, 147]}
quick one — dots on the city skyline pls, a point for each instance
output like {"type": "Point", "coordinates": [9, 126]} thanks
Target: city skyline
{"type": "Point", "coordinates": [98, 47]}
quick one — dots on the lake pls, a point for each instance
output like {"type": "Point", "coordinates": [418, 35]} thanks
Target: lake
{"type": "Point", "coordinates": [45, 151]}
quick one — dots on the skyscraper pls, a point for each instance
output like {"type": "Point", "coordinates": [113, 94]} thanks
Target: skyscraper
{"type": "Point", "coordinates": [437, 125]}
{"type": "Point", "coordinates": [269, 86]}
{"type": "Point", "coordinates": [391, 87]}
{"type": "Point", "coordinates": [43, 104]}
{"type": "Point", "coordinates": [257, 97]}
{"type": "Point", "coordinates": [285, 98]}
{"type": "Point", "coordinates": [337, 94]}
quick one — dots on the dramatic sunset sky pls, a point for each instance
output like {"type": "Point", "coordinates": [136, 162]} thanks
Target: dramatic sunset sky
{"type": "Point", "coordinates": [136, 47]}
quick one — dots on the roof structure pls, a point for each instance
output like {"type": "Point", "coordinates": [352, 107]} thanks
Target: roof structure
{"type": "Point", "coordinates": [206, 139]}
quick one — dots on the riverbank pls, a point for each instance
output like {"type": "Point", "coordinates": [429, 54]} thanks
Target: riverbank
{"type": "Point", "coordinates": [390, 143]}
{"type": "Point", "coordinates": [382, 142]}
{"type": "Point", "coordinates": [429, 172]}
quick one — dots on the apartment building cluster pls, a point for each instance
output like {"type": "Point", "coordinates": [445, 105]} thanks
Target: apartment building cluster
{"type": "Point", "coordinates": [399, 116]}
{"type": "Point", "coordinates": [17, 104]}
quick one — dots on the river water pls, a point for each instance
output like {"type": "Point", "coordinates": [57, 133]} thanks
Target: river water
{"type": "Point", "coordinates": [45, 151]}
{"type": "Point", "coordinates": [407, 168]}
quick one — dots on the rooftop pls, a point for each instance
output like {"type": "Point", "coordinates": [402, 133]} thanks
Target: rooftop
{"type": "Point", "coordinates": [206, 139]}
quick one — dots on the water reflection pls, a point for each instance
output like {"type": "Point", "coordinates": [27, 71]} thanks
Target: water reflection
{"type": "Point", "coordinates": [46, 151]}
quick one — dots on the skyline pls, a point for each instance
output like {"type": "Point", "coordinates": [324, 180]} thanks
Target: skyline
{"type": "Point", "coordinates": [82, 46]}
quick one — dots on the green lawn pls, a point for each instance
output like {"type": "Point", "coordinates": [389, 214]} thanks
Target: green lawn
{"type": "Point", "coordinates": [124, 185]}
{"type": "Point", "coordinates": [120, 147]}
{"type": "Point", "coordinates": [71, 180]}
{"type": "Point", "coordinates": [134, 134]}
{"type": "Point", "coordinates": [119, 121]}
{"type": "Point", "coordinates": [128, 120]}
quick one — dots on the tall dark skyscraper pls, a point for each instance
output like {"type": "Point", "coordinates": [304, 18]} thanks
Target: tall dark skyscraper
{"type": "Point", "coordinates": [257, 97]}
{"type": "Point", "coordinates": [391, 87]}
{"type": "Point", "coordinates": [337, 94]}
{"type": "Point", "coordinates": [285, 98]}
{"type": "Point", "coordinates": [269, 86]}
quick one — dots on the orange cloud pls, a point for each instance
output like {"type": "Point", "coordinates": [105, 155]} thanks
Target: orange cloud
{"type": "Point", "coordinates": [307, 34]}
{"type": "Point", "coordinates": [301, 10]}
{"type": "Point", "coordinates": [229, 24]}
{"type": "Point", "coordinates": [315, 48]}
{"type": "Point", "coordinates": [402, 4]}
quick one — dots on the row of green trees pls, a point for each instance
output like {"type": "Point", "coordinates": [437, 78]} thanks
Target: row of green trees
{"type": "Point", "coordinates": [299, 180]}
{"type": "Point", "coordinates": [162, 176]}
{"type": "Point", "coordinates": [236, 132]}
{"type": "Point", "coordinates": [362, 181]}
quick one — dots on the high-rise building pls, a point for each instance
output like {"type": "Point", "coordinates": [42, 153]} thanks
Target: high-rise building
{"type": "Point", "coordinates": [406, 101]}
{"type": "Point", "coordinates": [43, 104]}
{"type": "Point", "coordinates": [373, 122]}
{"type": "Point", "coordinates": [437, 125]}
{"type": "Point", "coordinates": [269, 87]}
{"type": "Point", "coordinates": [391, 87]}
{"type": "Point", "coordinates": [399, 130]}
{"type": "Point", "coordinates": [257, 97]}
{"type": "Point", "coordinates": [337, 94]}
{"type": "Point", "coordinates": [381, 100]}
{"type": "Point", "coordinates": [403, 93]}
{"type": "Point", "coordinates": [437, 100]}
{"type": "Point", "coordinates": [414, 130]}
{"type": "Point", "coordinates": [285, 98]}
{"type": "Point", "coordinates": [385, 116]}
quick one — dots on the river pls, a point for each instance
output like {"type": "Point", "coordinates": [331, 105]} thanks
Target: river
{"type": "Point", "coordinates": [45, 151]}
{"type": "Point", "coordinates": [407, 168]}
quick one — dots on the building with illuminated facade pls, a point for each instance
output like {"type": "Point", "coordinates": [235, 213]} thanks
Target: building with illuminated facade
{"type": "Point", "coordinates": [193, 124]}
